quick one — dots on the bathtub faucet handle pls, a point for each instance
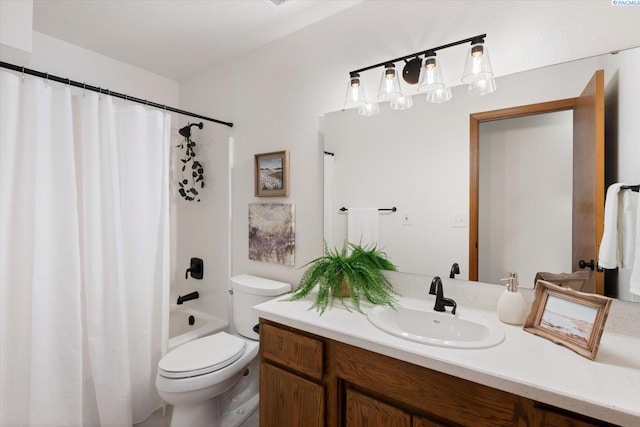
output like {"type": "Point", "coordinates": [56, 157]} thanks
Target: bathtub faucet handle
{"type": "Point", "coordinates": [196, 269]}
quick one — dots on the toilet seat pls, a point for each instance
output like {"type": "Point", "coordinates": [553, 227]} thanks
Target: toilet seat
{"type": "Point", "coordinates": [202, 356]}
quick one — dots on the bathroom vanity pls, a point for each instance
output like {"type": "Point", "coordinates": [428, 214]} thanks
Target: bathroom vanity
{"type": "Point", "coordinates": [339, 370]}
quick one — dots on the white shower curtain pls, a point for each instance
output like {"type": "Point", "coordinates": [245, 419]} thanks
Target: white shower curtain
{"type": "Point", "coordinates": [84, 255]}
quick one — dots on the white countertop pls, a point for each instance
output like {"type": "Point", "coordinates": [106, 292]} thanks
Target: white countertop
{"type": "Point", "coordinates": [523, 364]}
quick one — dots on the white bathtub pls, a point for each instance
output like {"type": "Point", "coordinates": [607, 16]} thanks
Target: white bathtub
{"type": "Point", "coordinates": [181, 332]}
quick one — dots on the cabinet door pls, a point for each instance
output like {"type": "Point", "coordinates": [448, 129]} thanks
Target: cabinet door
{"type": "Point", "coordinates": [555, 419]}
{"type": "Point", "coordinates": [364, 411]}
{"type": "Point", "coordinates": [287, 400]}
{"type": "Point", "coordinates": [425, 422]}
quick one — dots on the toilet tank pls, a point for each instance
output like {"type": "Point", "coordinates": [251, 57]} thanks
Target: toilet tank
{"type": "Point", "coordinates": [248, 291]}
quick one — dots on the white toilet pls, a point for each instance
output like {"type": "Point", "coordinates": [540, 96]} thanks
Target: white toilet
{"type": "Point", "coordinates": [214, 380]}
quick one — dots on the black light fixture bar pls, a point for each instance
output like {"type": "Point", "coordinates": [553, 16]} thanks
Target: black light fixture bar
{"type": "Point", "coordinates": [414, 55]}
{"type": "Point", "coordinates": [69, 82]}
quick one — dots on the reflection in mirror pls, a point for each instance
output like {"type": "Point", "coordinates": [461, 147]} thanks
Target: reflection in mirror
{"type": "Point", "coordinates": [525, 196]}
{"type": "Point", "coordinates": [418, 161]}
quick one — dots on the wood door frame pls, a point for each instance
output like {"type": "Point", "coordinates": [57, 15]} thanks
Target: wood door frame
{"type": "Point", "coordinates": [474, 160]}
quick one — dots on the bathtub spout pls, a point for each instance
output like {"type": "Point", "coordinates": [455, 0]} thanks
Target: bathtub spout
{"type": "Point", "coordinates": [188, 297]}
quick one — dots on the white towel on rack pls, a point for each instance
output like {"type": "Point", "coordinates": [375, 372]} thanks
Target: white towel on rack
{"type": "Point", "coordinates": [634, 282]}
{"type": "Point", "coordinates": [362, 226]}
{"type": "Point", "coordinates": [627, 228]}
{"type": "Point", "coordinates": [609, 254]}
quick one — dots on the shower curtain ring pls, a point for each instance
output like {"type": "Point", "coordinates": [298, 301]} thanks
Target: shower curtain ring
{"type": "Point", "coordinates": [23, 73]}
{"type": "Point", "coordinates": [46, 80]}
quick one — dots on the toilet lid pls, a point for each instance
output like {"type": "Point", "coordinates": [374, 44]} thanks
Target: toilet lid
{"type": "Point", "coordinates": [202, 356]}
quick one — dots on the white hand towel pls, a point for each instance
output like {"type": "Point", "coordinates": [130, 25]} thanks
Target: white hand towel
{"type": "Point", "coordinates": [362, 226]}
{"type": "Point", "coordinates": [608, 256]}
{"type": "Point", "coordinates": [634, 283]}
{"type": "Point", "coordinates": [627, 228]}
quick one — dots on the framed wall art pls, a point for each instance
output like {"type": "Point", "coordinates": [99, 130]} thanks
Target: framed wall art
{"type": "Point", "coordinates": [272, 174]}
{"type": "Point", "coordinates": [568, 317]}
{"type": "Point", "coordinates": [272, 233]}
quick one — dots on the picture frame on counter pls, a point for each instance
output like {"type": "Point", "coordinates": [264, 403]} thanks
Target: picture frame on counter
{"type": "Point", "coordinates": [568, 317]}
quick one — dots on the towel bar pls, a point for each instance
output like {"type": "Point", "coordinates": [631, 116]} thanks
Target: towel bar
{"type": "Point", "coordinates": [393, 209]}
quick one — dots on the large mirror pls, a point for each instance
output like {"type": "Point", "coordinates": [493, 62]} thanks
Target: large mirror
{"type": "Point", "coordinates": [418, 162]}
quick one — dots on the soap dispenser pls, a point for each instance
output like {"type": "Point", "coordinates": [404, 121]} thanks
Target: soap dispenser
{"type": "Point", "coordinates": [511, 306]}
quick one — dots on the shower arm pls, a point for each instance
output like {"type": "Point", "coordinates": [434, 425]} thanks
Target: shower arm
{"type": "Point", "coordinates": [186, 131]}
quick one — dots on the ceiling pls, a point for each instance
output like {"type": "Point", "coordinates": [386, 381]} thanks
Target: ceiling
{"type": "Point", "coordinates": [177, 39]}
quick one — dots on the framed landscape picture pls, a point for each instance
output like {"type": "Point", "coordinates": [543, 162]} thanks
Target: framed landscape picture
{"type": "Point", "coordinates": [272, 174]}
{"type": "Point", "coordinates": [568, 317]}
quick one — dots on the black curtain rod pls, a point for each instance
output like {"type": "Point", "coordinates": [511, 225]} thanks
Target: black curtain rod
{"type": "Point", "coordinates": [69, 82]}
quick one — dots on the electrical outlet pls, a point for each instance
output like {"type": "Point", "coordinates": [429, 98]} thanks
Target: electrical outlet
{"type": "Point", "coordinates": [459, 220]}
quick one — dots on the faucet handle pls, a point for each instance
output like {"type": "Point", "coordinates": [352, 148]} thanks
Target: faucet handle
{"type": "Point", "coordinates": [196, 268]}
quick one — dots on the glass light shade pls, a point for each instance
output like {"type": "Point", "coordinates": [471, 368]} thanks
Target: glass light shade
{"type": "Point", "coordinates": [439, 96]}
{"type": "Point", "coordinates": [477, 65]}
{"type": "Point", "coordinates": [389, 84]}
{"type": "Point", "coordinates": [401, 103]}
{"type": "Point", "coordinates": [369, 109]}
{"type": "Point", "coordinates": [431, 78]}
{"type": "Point", "coordinates": [483, 87]}
{"type": "Point", "coordinates": [355, 92]}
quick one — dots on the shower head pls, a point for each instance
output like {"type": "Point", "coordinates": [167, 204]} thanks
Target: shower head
{"type": "Point", "coordinates": [186, 131]}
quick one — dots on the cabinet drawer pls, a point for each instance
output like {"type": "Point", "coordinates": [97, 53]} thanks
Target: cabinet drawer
{"type": "Point", "coordinates": [297, 352]}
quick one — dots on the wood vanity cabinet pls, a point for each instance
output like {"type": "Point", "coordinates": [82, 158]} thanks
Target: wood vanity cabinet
{"type": "Point", "coordinates": [308, 380]}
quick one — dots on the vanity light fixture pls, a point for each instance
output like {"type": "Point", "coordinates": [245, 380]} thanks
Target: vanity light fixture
{"type": "Point", "coordinates": [369, 109]}
{"type": "Point", "coordinates": [389, 84]}
{"type": "Point", "coordinates": [403, 102]}
{"type": "Point", "coordinates": [431, 79]}
{"type": "Point", "coordinates": [425, 68]}
{"type": "Point", "coordinates": [355, 92]}
{"type": "Point", "coordinates": [478, 73]}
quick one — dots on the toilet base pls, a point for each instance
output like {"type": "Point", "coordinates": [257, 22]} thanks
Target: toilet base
{"type": "Point", "coordinates": [239, 415]}
{"type": "Point", "coordinates": [207, 414]}
{"type": "Point", "coordinates": [202, 414]}
{"type": "Point", "coordinates": [229, 409]}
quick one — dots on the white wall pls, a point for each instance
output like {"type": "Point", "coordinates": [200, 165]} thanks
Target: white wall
{"type": "Point", "coordinates": [16, 24]}
{"type": "Point", "coordinates": [203, 228]}
{"type": "Point", "coordinates": [276, 94]}
{"type": "Point", "coordinates": [63, 59]}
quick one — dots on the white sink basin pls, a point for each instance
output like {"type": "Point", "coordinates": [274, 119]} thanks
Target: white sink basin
{"type": "Point", "coordinates": [439, 329]}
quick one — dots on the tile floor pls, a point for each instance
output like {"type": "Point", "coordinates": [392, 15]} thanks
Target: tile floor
{"type": "Point", "coordinates": [157, 420]}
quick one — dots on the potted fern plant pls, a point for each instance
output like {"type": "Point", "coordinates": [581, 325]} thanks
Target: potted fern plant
{"type": "Point", "coordinates": [339, 274]}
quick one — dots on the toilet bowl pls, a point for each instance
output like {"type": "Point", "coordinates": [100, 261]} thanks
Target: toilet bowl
{"type": "Point", "coordinates": [214, 380]}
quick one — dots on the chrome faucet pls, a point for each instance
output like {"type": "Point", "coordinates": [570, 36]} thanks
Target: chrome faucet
{"type": "Point", "coordinates": [441, 301]}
